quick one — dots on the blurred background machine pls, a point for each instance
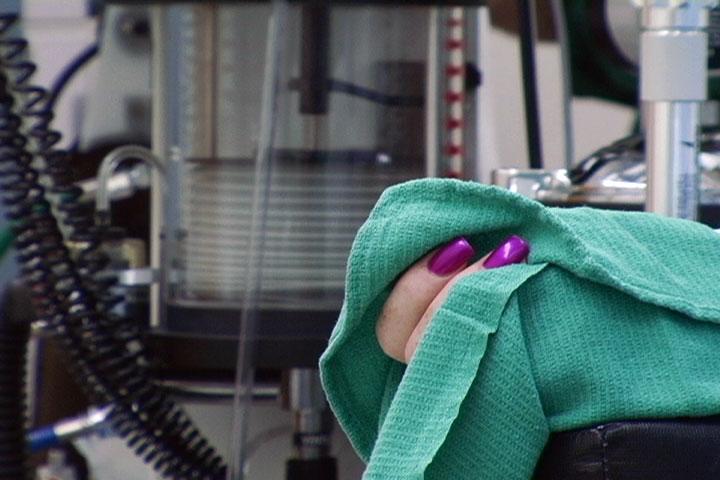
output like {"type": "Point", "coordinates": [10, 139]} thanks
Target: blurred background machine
{"type": "Point", "coordinates": [184, 238]}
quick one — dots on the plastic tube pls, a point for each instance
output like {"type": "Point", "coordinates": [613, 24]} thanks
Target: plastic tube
{"type": "Point", "coordinates": [248, 327]}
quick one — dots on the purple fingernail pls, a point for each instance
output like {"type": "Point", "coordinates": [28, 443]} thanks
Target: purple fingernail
{"type": "Point", "coordinates": [512, 250]}
{"type": "Point", "coordinates": [451, 257]}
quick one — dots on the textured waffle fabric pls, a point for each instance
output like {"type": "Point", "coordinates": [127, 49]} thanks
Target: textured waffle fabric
{"type": "Point", "coordinates": [615, 316]}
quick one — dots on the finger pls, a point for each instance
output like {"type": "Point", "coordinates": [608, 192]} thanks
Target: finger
{"type": "Point", "coordinates": [512, 250]}
{"type": "Point", "coordinates": [414, 338]}
{"type": "Point", "coordinates": [414, 291]}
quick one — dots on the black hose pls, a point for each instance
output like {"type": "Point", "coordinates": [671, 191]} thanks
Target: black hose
{"type": "Point", "coordinates": [618, 150]}
{"type": "Point", "coordinates": [375, 96]}
{"type": "Point", "coordinates": [365, 93]}
{"type": "Point", "coordinates": [70, 294]}
{"type": "Point", "coordinates": [69, 72]}
{"type": "Point", "coordinates": [314, 58]}
{"type": "Point", "coordinates": [532, 108]}
{"type": "Point", "coordinates": [13, 449]}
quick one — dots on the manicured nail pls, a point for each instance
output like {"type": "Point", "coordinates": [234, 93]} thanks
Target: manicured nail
{"type": "Point", "coordinates": [512, 250]}
{"type": "Point", "coordinates": [451, 257]}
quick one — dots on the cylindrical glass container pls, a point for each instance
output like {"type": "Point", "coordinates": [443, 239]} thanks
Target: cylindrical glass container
{"type": "Point", "coordinates": [359, 89]}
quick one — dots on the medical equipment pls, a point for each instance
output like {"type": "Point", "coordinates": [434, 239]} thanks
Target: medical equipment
{"type": "Point", "coordinates": [336, 130]}
{"type": "Point", "coordinates": [275, 127]}
{"type": "Point", "coordinates": [673, 85]}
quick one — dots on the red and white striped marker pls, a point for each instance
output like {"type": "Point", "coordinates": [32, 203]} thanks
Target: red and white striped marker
{"type": "Point", "coordinates": [454, 94]}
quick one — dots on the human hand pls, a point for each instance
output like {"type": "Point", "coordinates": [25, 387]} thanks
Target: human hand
{"type": "Point", "coordinates": [424, 287]}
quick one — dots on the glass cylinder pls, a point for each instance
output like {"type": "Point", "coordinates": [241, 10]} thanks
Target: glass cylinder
{"type": "Point", "coordinates": [366, 97]}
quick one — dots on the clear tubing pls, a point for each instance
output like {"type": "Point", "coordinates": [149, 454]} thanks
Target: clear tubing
{"type": "Point", "coordinates": [108, 166]}
{"type": "Point", "coordinates": [248, 326]}
{"type": "Point", "coordinates": [161, 103]}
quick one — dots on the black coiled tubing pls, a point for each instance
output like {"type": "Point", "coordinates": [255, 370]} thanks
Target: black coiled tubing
{"type": "Point", "coordinates": [70, 293]}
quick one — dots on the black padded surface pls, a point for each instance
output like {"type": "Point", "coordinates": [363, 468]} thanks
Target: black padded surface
{"type": "Point", "coordinates": [636, 450]}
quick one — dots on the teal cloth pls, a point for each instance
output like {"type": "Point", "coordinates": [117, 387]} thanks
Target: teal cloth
{"type": "Point", "coordinates": [615, 316]}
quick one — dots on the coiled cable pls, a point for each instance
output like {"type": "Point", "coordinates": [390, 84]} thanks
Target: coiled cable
{"type": "Point", "coordinates": [69, 291]}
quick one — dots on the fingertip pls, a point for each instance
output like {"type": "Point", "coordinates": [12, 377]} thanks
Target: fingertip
{"type": "Point", "coordinates": [513, 250]}
{"type": "Point", "coordinates": [451, 257]}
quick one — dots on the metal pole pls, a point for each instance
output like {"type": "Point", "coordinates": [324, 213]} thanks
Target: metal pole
{"type": "Point", "coordinates": [561, 31]}
{"type": "Point", "coordinates": [432, 101]}
{"type": "Point", "coordinates": [532, 109]}
{"type": "Point", "coordinates": [673, 82]}
{"type": "Point", "coordinates": [313, 428]}
{"type": "Point", "coordinates": [671, 152]}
